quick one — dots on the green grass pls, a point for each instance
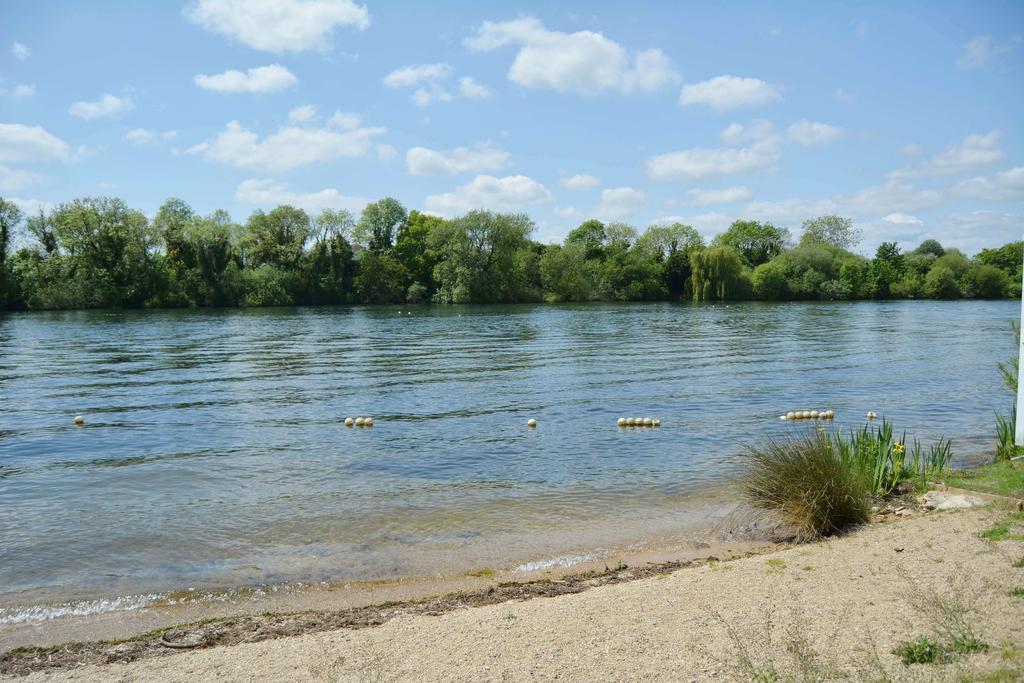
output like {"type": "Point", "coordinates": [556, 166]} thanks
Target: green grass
{"type": "Point", "coordinates": [1018, 592]}
{"type": "Point", "coordinates": [921, 651]}
{"type": "Point", "coordinates": [1001, 478]}
{"type": "Point", "coordinates": [1009, 529]}
{"type": "Point", "coordinates": [1019, 563]}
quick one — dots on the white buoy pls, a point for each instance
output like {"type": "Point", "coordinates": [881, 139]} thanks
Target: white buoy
{"type": "Point", "coordinates": [783, 417]}
{"type": "Point", "coordinates": [79, 420]}
{"type": "Point", "coordinates": [359, 422]}
{"type": "Point", "coordinates": [531, 423]}
{"type": "Point", "coordinates": [621, 422]}
{"type": "Point", "coordinates": [368, 422]}
{"type": "Point", "coordinates": [814, 414]}
{"type": "Point", "coordinates": [657, 422]}
{"type": "Point", "coordinates": [790, 415]}
{"type": "Point", "coordinates": [872, 415]}
{"type": "Point", "coordinates": [630, 422]}
{"type": "Point", "coordinates": [349, 422]}
{"type": "Point", "coordinates": [648, 422]}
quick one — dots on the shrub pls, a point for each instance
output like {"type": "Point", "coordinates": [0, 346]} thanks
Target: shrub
{"type": "Point", "coordinates": [920, 651]}
{"type": "Point", "coordinates": [807, 484]}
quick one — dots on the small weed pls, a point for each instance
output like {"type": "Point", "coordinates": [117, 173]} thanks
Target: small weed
{"type": "Point", "coordinates": [920, 651]}
{"type": "Point", "coordinates": [718, 566]}
{"type": "Point", "coordinates": [485, 572]}
{"type": "Point", "coordinates": [510, 616]}
{"type": "Point", "coordinates": [776, 563]}
{"type": "Point", "coordinates": [661, 576]}
{"type": "Point", "coordinates": [1019, 563]}
{"type": "Point", "coordinates": [969, 645]}
{"type": "Point", "coordinates": [807, 568]}
{"type": "Point", "coordinates": [1018, 592]}
{"type": "Point", "coordinates": [621, 566]}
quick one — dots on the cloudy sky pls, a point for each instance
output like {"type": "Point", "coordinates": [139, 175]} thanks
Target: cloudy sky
{"type": "Point", "coordinates": [906, 117]}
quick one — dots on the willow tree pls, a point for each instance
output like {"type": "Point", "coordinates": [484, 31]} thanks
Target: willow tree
{"type": "Point", "coordinates": [717, 274]}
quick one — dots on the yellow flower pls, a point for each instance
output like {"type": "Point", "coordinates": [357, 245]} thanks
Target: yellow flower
{"type": "Point", "coordinates": [899, 449]}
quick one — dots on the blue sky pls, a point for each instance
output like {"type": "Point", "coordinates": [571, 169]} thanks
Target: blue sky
{"type": "Point", "coordinates": [903, 116]}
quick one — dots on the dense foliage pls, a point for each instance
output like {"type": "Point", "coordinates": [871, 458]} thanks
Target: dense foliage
{"type": "Point", "coordinates": [98, 252]}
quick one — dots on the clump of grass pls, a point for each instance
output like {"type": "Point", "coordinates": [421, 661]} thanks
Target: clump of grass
{"type": "Point", "coordinates": [1018, 592]}
{"type": "Point", "coordinates": [810, 485]}
{"type": "Point", "coordinates": [920, 651]}
{"type": "Point", "coordinates": [1009, 529]}
{"type": "Point", "coordinates": [1006, 448]}
{"type": "Point", "coordinates": [1019, 563]}
{"type": "Point", "coordinates": [886, 461]}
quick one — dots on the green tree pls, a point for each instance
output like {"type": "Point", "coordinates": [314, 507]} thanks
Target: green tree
{"type": "Point", "coordinates": [940, 283]}
{"type": "Point", "coordinates": [276, 238]}
{"type": "Point", "coordinates": [989, 282]}
{"type": "Point", "coordinates": [483, 257]}
{"type": "Point", "coordinates": [328, 267]}
{"type": "Point", "coordinates": [771, 280]}
{"type": "Point", "coordinates": [379, 223]}
{"type": "Point", "coordinates": [10, 218]}
{"type": "Point", "coordinates": [380, 279]}
{"type": "Point", "coordinates": [834, 230]}
{"type": "Point", "coordinates": [1007, 258]}
{"type": "Point", "coordinates": [412, 249]}
{"type": "Point", "coordinates": [109, 247]}
{"type": "Point", "coordinates": [756, 242]}
{"type": "Point", "coordinates": [718, 274]}
{"type": "Point", "coordinates": [930, 247]}
{"type": "Point", "coordinates": [887, 268]}
{"type": "Point", "coordinates": [590, 236]}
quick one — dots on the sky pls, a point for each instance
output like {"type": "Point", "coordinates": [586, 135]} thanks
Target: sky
{"type": "Point", "coordinates": [904, 116]}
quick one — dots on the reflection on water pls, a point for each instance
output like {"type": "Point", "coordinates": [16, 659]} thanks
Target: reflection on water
{"type": "Point", "coordinates": [214, 452]}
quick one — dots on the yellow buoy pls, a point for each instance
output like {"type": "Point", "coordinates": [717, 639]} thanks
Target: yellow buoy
{"type": "Point", "coordinates": [349, 422]}
{"type": "Point", "coordinates": [531, 423]}
{"type": "Point", "coordinates": [359, 422]}
{"type": "Point", "coordinates": [79, 420]}
{"type": "Point", "coordinates": [648, 422]}
{"type": "Point", "coordinates": [368, 422]}
{"type": "Point", "coordinates": [657, 422]}
{"type": "Point", "coordinates": [621, 422]}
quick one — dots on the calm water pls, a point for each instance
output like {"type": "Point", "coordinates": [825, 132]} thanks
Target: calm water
{"type": "Point", "coordinates": [214, 452]}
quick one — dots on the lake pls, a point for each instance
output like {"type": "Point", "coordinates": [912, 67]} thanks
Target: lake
{"type": "Point", "coordinates": [214, 452]}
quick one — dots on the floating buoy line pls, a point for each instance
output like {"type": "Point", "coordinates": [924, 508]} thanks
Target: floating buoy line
{"type": "Point", "coordinates": [638, 422]}
{"type": "Point", "coordinates": [808, 415]}
{"type": "Point", "coordinates": [359, 422]}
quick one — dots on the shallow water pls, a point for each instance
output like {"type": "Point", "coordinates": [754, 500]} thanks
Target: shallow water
{"type": "Point", "coordinates": [214, 454]}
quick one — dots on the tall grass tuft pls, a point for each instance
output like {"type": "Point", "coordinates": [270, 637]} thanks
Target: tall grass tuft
{"type": "Point", "coordinates": [1007, 446]}
{"type": "Point", "coordinates": [808, 484]}
{"type": "Point", "coordinates": [885, 462]}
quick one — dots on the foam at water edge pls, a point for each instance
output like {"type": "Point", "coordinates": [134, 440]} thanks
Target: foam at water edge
{"type": "Point", "coordinates": [41, 613]}
{"type": "Point", "coordinates": [562, 561]}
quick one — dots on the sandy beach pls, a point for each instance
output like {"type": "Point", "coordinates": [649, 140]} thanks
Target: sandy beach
{"type": "Point", "coordinates": [834, 609]}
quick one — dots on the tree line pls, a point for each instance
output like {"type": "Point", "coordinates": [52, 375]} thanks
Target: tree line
{"type": "Point", "coordinates": [96, 252]}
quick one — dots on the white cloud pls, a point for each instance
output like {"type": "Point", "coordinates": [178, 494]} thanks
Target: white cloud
{"type": "Point", "coordinates": [976, 151]}
{"type": "Point", "coordinates": [810, 133]}
{"type": "Point", "coordinates": [708, 224]}
{"type": "Point", "coordinates": [18, 91]}
{"type": "Point", "coordinates": [568, 212]}
{"type": "Point", "coordinates": [31, 143]}
{"type": "Point", "coordinates": [14, 179]}
{"type": "Point", "coordinates": [701, 163]}
{"type": "Point", "coordinates": [289, 147]}
{"type": "Point", "coordinates": [728, 92]}
{"type": "Point", "coordinates": [278, 25]}
{"type": "Point", "coordinates": [407, 76]}
{"type": "Point", "coordinates": [424, 161]}
{"type": "Point", "coordinates": [844, 96]}
{"type": "Point", "coordinates": [344, 120]}
{"type": "Point", "coordinates": [756, 130]}
{"type": "Point", "coordinates": [471, 89]}
{"type": "Point", "coordinates": [911, 150]}
{"type": "Point", "coordinates": [902, 219]}
{"type": "Point", "coordinates": [725, 195]}
{"type": "Point", "coordinates": [260, 79]}
{"type": "Point", "coordinates": [981, 50]}
{"type": "Point", "coordinates": [1005, 186]}
{"type": "Point", "coordinates": [583, 62]}
{"type": "Point", "coordinates": [266, 192]}
{"type": "Point", "coordinates": [975, 230]}
{"type": "Point", "coordinates": [386, 152]}
{"type": "Point", "coordinates": [21, 51]}
{"type": "Point", "coordinates": [618, 203]}
{"type": "Point", "coordinates": [428, 79]}
{"type": "Point", "coordinates": [511, 193]}
{"type": "Point", "coordinates": [105, 107]}
{"type": "Point", "coordinates": [871, 201]}
{"type": "Point", "coordinates": [302, 114]}
{"type": "Point", "coordinates": [579, 182]}
{"type": "Point", "coordinates": [31, 207]}
{"type": "Point", "coordinates": [142, 136]}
